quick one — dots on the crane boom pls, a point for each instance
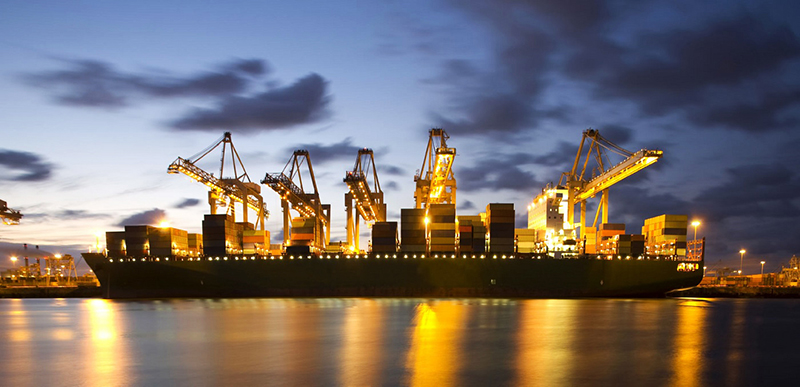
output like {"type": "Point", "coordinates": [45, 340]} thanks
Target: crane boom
{"type": "Point", "coordinates": [580, 189]}
{"type": "Point", "coordinates": [438, 184]}
{"type": "Point", "coordinates": [237, 189]}
{"type": "Point", "coordinates": [307, 204]}
{"type": "Point", "coordinates": [8, 215]}
{"type": "Point", "coordinates": [368, 201]}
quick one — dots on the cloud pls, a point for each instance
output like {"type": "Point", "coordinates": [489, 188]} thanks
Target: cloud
{"type": "Point", "coordinates": [466, 205]}
{"type": "Point", "coordinates": [390, 170]}
{"type": "Point", "coordinates": [321, 153]}
{"type": "Point", "coordinates": [188, 202]}
{"type": "Point", "coordinates": [31, 167]}
{"type": "Point", "coordinates": [498, 172]}
{"type": "Point", "coordinates": [391, 186]}
{"type": "Point", "coordinates": [93, 83]}
{"type": "Point", "coordinates": [305, 101]}
{"type": "Point", "coordinates": [151, 217]}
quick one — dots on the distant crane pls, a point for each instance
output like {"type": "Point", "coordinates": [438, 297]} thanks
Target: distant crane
{"type": "Point", "coordinates": [225, 191]}
{"type": "Point", "coordinates": [365, 197]}
{"type": "Point", "coordinates": [581, 188]}
{"type": "Point", "coordinates": [435, 181]}
{"type": "Point", "coordinates": [8, 215]}
{"type": "Point", "coordinates": [292, 192]}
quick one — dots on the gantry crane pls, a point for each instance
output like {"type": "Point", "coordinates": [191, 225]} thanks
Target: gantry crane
{"type": "Point", "coordinates": [8, 215]}
{"type": "Point", "coordinates": [580, 188]}
{"type": "Point", "coordinates": [368, 198]}
{"type": "Point", "coordinates": [438, 184]}
{"type": "Point", "coordinates": [225, 191]}
{"type": "Point", "coordinates": [307, 204]}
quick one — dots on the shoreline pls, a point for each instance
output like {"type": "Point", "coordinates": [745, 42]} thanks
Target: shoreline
{"type": "Point", "coordinates": [737, 292]}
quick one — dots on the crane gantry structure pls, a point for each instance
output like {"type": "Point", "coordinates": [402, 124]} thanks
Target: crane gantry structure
{"type": "Point", "coordinates": [435, 183]}
{"type": "Point", "coordinates": [292, 192]}
{"type": "Point", "coordinates": [224, 192]}
{"type": "Point", "coordinates": [7, 215]}
{"type": "Point", "coordinates": [580, 187]}
{"type": "Point", "coordinates": [366, 198]}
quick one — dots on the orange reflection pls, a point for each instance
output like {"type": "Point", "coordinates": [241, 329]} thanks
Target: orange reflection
{"type": "Point", "coordinates": [362, 354]}
{"type": "Point", "coordinates": [689, 343]}
{"type": "Point", "coordinates": [107, 353]}
{"type": "Point", "coordinates": [433, 358]}
{"type": "Point", "coordinates": [544, 344]}
{"type": "Point", "coordinates": [20, 359]}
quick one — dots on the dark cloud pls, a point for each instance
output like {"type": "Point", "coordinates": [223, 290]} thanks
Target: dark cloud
{"type": "Point", "coordinates": [466, 205]}
{"type": "Point", "coordinates": [390, 170]}
{"type": "Point", "coordinates": [498, 172]}
{"type": "Point", "coordinates": [302, 102]}
{"type": "Point", "coordinates": [95, 83]}
{"type": "Point", "coordinates": [30, 167]}
{"type": "Point", "coordinates": [151, 217]}
{"type": "Point", "coordinates": [78, 214]}
{"type": "Point", "coordinates": [188, 202]}
{"type": "Point", "coordinates": [617, 134]}
{"type": "Point", "coordinates": [321, 153]}
{"type": "Point", "coordinates": [391, 186]}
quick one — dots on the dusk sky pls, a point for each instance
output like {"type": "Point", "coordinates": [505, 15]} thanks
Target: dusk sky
{"type": "Point", "coordinates": [98, 98]}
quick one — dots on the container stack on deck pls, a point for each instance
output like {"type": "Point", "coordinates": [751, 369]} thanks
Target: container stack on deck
{"type": "Point", "coordinates": [412, 230]}
{"type": "Point", "coordinates": [471, 234]}
{"type": "Point", "coordinates": [623, 245]}
{"type": "Point", "coordinates": [666, 235]}
{"type": "Point", "coordinates": [442, 228]}
{"type": "Point", "coordinates": [168, 242]}
{"type": "Point", "coordinates": [526, 240]}
{"type": "Point", "coordinates": [194, 244]}
{"type": "Point", "coordinates": [115, 244]}
{"type": "Point", "coordinates": [384, 237]}
{"type": "Point", "coordinates": [500, 225]}
{"type": "Point", "coordinates": [254, 241]}
{"type": "Point", "coordinates": [137, 240]}
{"type": "Point", "coordinates": [590, 240]}
{"type": "Point", "coordinates": [221, 235]}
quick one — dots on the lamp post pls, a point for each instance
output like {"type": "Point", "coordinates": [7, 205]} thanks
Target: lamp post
{"type": "Point", "coordinates": [695, 224]}
{"type": "Point", "coordinates": [762, 269]}
{"type": "Point", "coordinates": [741, 259]}
{"type": "Point", "coordinates": [14, 261]}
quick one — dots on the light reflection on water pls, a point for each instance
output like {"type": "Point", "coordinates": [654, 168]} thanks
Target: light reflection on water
{"type": "Point", "coordinates": [416, 342]}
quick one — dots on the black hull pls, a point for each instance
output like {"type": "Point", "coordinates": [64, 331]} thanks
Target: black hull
{"type": "Point", "coordinates": [392, 277]}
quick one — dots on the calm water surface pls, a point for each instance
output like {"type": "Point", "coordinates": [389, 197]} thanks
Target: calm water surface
{"type": "Point", "coordinates": [386, 342]}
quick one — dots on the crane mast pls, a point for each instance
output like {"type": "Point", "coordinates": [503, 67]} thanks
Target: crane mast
{"type": "Point", "coordinates": [580, 188]}
{"type": "Point", "coordinates": [8, 215]}
{"type": "Point", "coordinates": [292, 192]}
{"type": "Point", "coordinates": [366, 198]}
{"type": "Point", "coordinates": [225, 191]}
{"type": "Point", "coordinates": [435, 183]}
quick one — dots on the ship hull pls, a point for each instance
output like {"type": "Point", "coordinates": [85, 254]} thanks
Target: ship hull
{"type": "Point", "coordinates": [390, 277]}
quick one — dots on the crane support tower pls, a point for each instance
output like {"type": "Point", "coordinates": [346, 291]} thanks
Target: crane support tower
{"type": "Point", "coordinates": [580, 187]}
{"type": "Point", "coordinates": [8, 215]}
{"type": "Point", "coordinates": [288, 184]}
{"type": "Point", "coordinates": [435, 182]}
{"type": "Point", "coordinates": [225, 191]}
{"type": "Point", "coordinates": [364, 194]}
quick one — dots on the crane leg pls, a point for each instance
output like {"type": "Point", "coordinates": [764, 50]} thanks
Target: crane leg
{"type": "Point", "coordinates": [583, 219]}
{"type": "Point", "coordinates": [605, 205]}
{"type": "Point", "coordinates": [357, 233]}
{"type": "Point", "coordinates": [286, 230]}
{"type": "Point", "coordinates": [348, 202]}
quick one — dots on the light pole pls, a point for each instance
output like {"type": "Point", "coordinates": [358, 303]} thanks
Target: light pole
{"type": "Point", "coordinates": [741, 259]}
{"type": "Point", "coordinates": [14, 261]}
{"type": "Point", "coordinates": [762, 269]}
{"type": "Point", "coordinates": [695, 224]}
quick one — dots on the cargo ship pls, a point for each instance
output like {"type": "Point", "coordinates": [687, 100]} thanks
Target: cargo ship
{"type": "Point", "coordinates": [391, 275]}
{"type": "Point", "coordinates": [431, 252]}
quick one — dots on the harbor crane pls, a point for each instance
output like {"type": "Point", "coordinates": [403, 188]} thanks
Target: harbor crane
{"type": "Point", "coordinates": [225, 191]}
{"type": "Point", "coordinates": [288, 184]}
{"type": "Point", "coordinates": [435, 182]}
{"type": "Point", "coordinates": [581, 187]}
{"type": "Point", "coordinates": [8, 215]}
{"type": "Point", "coordinates": [365, 197]}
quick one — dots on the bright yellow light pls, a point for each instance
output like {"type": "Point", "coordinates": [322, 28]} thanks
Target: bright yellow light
{"type": "Point", "coordinates": [742, 251]}
{"type": "Point", "coordinates": [163, 224]}
{"type": "Point", "coordinates": [58, 256]}
{"type": "Point", "coordinates": [13, 259]}
{"type": "Point", "coordinates": [427, 220]}
{"type": "Point", "coordinates": [696, 223]}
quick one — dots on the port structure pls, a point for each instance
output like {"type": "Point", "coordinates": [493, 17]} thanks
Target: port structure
{"type": "Point", "coordinates": [435, 183]}
{"type": "Point", "coordinates": [288, 184]}
{"type": "Point", "coordinates": [9, 216]}
{"type": "Point", "coordinates": [365, 195]}
{"type": "Point", "coordinates": [225, 192]}
{"type": "Point", "coordinates": [581, 188]}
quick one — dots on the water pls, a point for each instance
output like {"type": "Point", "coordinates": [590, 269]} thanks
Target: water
{"type": "Point", "coordinates": [386, 342]}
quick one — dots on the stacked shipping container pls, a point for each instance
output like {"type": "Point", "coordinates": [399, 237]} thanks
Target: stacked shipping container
{"type": "Point", "coordinates": [471, 234]}
{"type": "Point", "coordinates": [526, 240]}
{"type": "Point", "coordinates": [500, 225]}
{"type": "Point", "coordinates": [221, 235]}
{"type": "Point", "coordinates": [666, 234]}
{"type": "Point", "coordinates": [412, 230]}
{"type": "Point", "coordinates": [384, 237]}
{"type": "Point", "coordinates": [442, 228]}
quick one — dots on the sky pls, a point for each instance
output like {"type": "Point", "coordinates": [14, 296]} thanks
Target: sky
{"type": "Point", "coordinates": [98, 98]}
